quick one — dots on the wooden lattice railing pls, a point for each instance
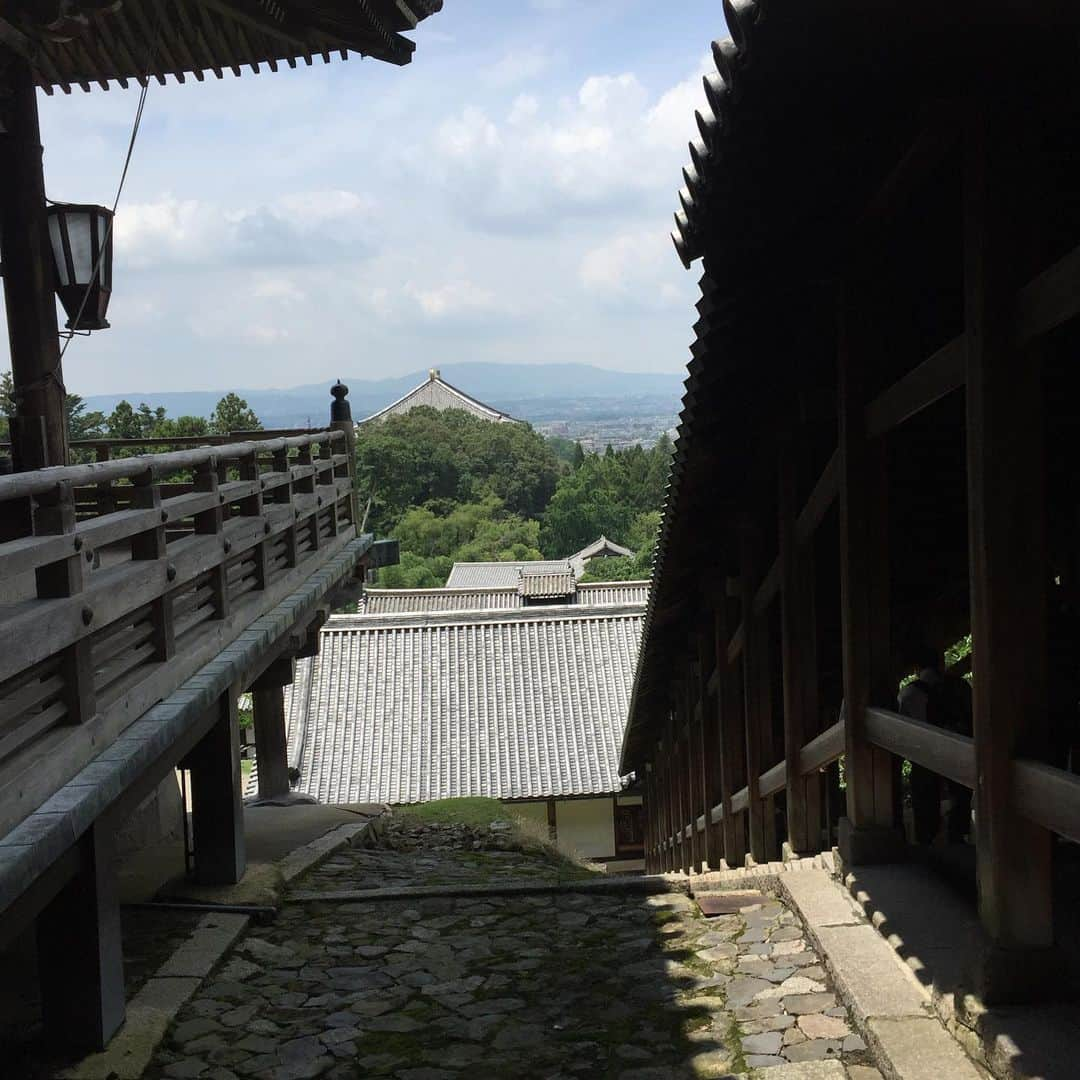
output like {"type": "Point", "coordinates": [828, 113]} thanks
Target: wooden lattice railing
{"type": "Point", "coordinates": [119, 578]}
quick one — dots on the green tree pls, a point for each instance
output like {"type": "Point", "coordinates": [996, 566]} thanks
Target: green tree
{"type": "Point", "coordinates": [429, 457]}
{"type": "Point", "coordinates": [606, 495]}
{"type": "Point", "coordinates": [232, 414]}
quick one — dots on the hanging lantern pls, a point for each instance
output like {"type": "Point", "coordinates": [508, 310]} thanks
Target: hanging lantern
{"type": "Point", "coordinates": [81, 239]}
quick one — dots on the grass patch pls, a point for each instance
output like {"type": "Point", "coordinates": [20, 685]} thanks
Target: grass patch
{"type": "Point", "coordinates": [474, 812]}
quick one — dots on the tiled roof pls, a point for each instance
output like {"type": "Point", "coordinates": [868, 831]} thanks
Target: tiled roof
{"type": "Point", "coordinates": [602, 547]}
{"type": "Point", "coordinates": [522, 704]}
{"type": "Point", "coordinates": [396, 601]}
{"type": "Point", "coordinates": [539, 585]}
{"type": "Point", "coordinates": [393, 601]}
{"type": "Point", "coordinates": [439, 394]}
{"type": "Point", "coordinates": [500, 575]}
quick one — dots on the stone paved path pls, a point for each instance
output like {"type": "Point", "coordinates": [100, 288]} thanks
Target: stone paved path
{"type": "Point", "coordinates": [569, 985]}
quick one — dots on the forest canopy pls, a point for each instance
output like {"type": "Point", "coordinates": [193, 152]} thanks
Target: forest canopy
{"type": "Point", "coordinates": [452, 487]}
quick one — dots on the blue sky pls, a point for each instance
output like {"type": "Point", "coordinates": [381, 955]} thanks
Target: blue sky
{"type": "Point", "coordinates": [506, 197]}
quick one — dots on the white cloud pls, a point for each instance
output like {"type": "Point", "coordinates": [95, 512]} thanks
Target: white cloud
{"type": "Point", "coordinates": [610, 148]}
{"type": "Point", "coordinates": [518, 66]}
{"type": "Point", "coordinates": [300, 227]}
{"type": "Point", "coordinates": [452, 299]}
{"type": "Point", "coordinates": [525, 107]}
{"type": "Point", "coordinates": [631, 266]}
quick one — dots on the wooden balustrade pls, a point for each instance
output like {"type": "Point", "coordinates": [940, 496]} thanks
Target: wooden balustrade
{"type": "Point", "coordinates": [1044, 795]}
{"type": "Point", "coordinates": [127, 573]}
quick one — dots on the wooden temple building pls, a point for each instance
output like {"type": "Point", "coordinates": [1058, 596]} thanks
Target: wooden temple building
{"type": "Point", "coordinates": [878, 446]}
{"type": "Point", "coordinates": [436, 393]}
{"type": "Point", "coordinates": [141, 593]}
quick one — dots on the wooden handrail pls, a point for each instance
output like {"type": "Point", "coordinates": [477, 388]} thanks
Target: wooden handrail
{"type": "Point", "coordinates": [1050, 797]}
{"type": "Point", "coordinates": [38, 481]}
{"type": "Point", "coordinates": [822, 749]}
{"type": "Point", "coordinates": [943, 752]}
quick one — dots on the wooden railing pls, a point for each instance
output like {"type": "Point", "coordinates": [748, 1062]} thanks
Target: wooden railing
{"type": "Point", "coordinates": [119, 578]}
{"type": "Point", "coordinates": [1045, 795]}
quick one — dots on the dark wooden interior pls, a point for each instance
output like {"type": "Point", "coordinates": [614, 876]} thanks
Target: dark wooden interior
{"type": "Point", "coordinates": [877, 446]}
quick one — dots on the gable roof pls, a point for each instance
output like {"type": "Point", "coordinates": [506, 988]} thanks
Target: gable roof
{"type": "Point", "coordinates": [603, 546]}
{"type": "Point", "coordinates": [439, 394]}
{"type": "Point", "coordinates": [398, 601]}
{"type": "Point", "coordinates": [512, 705]}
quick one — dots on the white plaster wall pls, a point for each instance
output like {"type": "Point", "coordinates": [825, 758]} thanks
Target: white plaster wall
{"type": "Point", "coordinates": [586, 825]}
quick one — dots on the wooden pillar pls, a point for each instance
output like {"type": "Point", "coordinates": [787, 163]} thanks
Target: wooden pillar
{"type": "Point", "coordinates": [217, 811]}
{"type": "Point", "coordinates": [730, 717]}
{"type": "Point", "coordinates": [799, 655]}
{"type": "Point", "coordinates": [709, 739]}
{"type": "Point", "coordinates": [753, 706]}
{"type": "Point", "coordinates": [1007, 539]}
{"type": "Point", "coordinates": [691, 768]}
{"type": "Point", "coordinates": [552, 821]}
{"type": "Point", "coordinates": [39, 428]}
{"type": "Point", "coordinates": [669, 803]}
{"type": "Point", "coordinates": [80, 962]}
{"type": "Point", "coordinates": [271, 748]}
{"type": "Point", "coordinates": [868, 833]}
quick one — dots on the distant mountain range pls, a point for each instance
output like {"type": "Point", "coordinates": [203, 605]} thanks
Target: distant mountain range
{"type": "Point", "coordinates": [528, 391]}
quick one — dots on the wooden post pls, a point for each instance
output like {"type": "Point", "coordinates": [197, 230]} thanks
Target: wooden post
{"type": "Point", "coordinates": [271, 747]}
{"type": "Point", "coordinates": [217, 812]}
{"type": "Point", "coordinates": [149, 545]}
{"type": "Point", "coordinates": [868, 833]}
{"type": "Point", "coordinates": [691, 768]}
{"type": "Point", "coordinates": [754, 708]}
{"type": "Point", "coordinates": [732, 742]}
{"type": "Point", "coordinates": [1007, 539]}
{"type": "Point", "coordinates": [212, 521]}
{"type": "Point", "coordinates": [661, 804]}
{"type": "Point", "coordinates": [80, 962]}
{"type": "Point", "coordinates": [708, 749]}
{"type": "Point", "coordinates": [552, 821]}
{"type": "Point", "coordinates": [54, 515]}
{"type": "Point", "coordinates": [647, 813]}
{"type": "Point", "coordinates": [799, 653]}
{"type": "Point", "coordinates": [341, 420]}
{"type": "Point", "coordinates": [39, 428]}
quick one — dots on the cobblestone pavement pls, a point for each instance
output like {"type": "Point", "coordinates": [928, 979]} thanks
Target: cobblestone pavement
{"type": "Point", "coordinates": [555, 986]}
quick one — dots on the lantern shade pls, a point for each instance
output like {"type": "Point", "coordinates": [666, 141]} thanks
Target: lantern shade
{"type": "Point", "coordinates": [81, 238]}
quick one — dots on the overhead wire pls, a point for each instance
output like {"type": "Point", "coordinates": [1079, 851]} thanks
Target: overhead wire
{"type": "Point", "coordinates": [144, 87]}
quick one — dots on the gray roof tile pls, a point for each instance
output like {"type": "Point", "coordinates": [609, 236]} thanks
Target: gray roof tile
{"type": "Point", "coordinates": [518, 704]}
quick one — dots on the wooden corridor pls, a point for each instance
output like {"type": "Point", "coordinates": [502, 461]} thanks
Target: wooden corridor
{"type": "Point", "coordinates": [874, 449]}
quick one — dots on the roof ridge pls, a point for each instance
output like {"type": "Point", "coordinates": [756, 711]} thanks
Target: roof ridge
{"type": "Point", "coordinates": [545, 613]}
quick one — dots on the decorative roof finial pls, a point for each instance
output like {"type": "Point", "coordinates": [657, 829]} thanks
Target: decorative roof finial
{"type": "Point", "coordinates": [433, 374]}
{"type": "Point", "coordinates": [339, 408]}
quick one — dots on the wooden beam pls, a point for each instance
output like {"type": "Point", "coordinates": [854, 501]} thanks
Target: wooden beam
{"type": "Point", "coordinates": [930, 147]}
{"type": "Point", "coordinates": [1050, 299]}
{"type": "Point", "coordinates": [1007, 541]}
{"type": "Point", "coordinates": [936, 377]}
